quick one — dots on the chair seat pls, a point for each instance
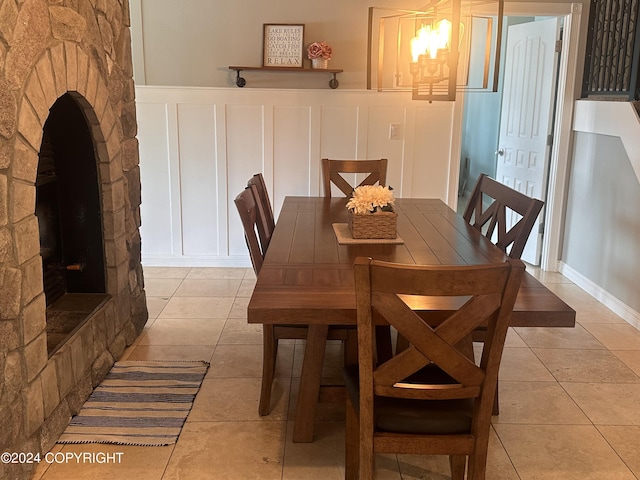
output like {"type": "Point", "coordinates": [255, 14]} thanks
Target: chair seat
{"type": "Point", "coordinates": [402, 415]}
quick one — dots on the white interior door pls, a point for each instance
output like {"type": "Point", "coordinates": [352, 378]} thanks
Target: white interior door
{"type": "Point", "coordinates": [526, 119]}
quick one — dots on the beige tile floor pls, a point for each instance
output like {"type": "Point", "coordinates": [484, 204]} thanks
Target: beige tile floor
{"type": "Point", "coordinates": [570, 398]}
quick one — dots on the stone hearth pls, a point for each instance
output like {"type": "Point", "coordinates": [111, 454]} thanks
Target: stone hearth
{"type": "Point", "coordinates": [49, 48]}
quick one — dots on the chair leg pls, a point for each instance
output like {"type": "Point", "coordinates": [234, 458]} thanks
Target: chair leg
{"type": "Point", "coordinates": [366, 455]}
{"type": "Point", "coordinates": [458, 465]}
{"type": "Point", "coordinates": [496, 403]}
{"type": "Point", "coordinates": [351, 437]}
{"type": "Point", "coordinates": [366, 465]}
{"type": "Point", "coordinates": [269, 354]}
{"type": "Point", "coordinates": [477, 467]}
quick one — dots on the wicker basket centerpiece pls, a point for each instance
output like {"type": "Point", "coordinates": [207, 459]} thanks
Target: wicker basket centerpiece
{"type": "Point", "coordinates": [371, 212]}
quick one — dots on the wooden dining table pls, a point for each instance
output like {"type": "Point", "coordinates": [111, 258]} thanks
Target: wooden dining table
{"type": "Point", "coordinates": [307, 276]}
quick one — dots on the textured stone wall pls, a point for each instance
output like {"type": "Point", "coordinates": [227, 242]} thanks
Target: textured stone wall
{"type": "Point", "coordinates": [49, 48]}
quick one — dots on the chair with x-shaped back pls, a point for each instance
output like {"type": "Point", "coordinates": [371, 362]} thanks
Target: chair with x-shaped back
{"type": "Point", "coordinates": [332, 169]}
{"type": "Point", "coordinates": [491, 207]}
{"type": "Point", "coordinates": [267, 220]}
{"type": "Point", "coordinates": [489, 210]}
{"type": "Point", "coordinates": [431, 398]}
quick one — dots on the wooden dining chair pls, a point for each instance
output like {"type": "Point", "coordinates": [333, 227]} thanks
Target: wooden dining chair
{"type": "Point", "coordinates": [431, 398]}
{"type": "Point", "coordinates": [250, 218]}
{"type": "Point", "coordinates": [267, 223]}
{"type": "Point", "coordinates": [489, 210]}
{"type": "Point", "coordinates": [247, 205]}
{"type": "Point", "coordinates": [332, 170]}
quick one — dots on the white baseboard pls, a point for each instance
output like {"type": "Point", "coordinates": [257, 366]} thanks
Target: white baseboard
{"type": "Point", "coordinates": [171, 261]}
{"type": "Point", "coordinates": [613, 303]}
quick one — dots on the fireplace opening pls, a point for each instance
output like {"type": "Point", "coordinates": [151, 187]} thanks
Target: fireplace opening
{"type": "Point", "coordinates": [70, 221]}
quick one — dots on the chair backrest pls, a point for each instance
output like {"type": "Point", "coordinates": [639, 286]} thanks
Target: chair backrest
{"type": "Point", "coordinates": [331, 170]}
{"type": "Point", "coordinates": [463, 298]}
{"type": "Point", "coordinates": [250, 217]}
{"type": "Point", "coordinates": [492, 202]}
{"type": "Point", "coordinates": [267, 223]}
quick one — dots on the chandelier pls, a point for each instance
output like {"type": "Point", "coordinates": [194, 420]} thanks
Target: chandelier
{"type": "Point", "coordinates": [435, 52]}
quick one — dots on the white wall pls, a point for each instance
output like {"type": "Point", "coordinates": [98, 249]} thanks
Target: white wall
{"type": "Point", "coordinates": [602, 228]}
{"type": "Point", "coordinates": [193, 42]}
{"type": "Point", "coordinates": [199, 146]}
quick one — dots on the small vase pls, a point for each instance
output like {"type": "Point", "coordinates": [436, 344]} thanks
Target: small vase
{"type": "Point", "coordinates": [320, 62]}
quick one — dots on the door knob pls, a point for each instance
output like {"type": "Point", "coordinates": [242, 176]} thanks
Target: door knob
{"type": "Point", "coordinates": [500, 151]}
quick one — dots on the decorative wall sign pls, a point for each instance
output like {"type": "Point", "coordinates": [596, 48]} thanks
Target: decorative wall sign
{"type": "Point", "coordinates": [282, 45]}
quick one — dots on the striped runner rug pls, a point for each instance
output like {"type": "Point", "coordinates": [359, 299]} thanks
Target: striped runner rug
{"type": "Point", "coordinates": [138, 403]}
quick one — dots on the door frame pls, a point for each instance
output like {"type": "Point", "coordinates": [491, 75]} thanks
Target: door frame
{"type": "Point", "coordinates": [559, 163]}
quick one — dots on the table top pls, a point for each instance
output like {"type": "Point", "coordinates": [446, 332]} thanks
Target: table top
{"type": "Point", "coordinates": [307, 276]}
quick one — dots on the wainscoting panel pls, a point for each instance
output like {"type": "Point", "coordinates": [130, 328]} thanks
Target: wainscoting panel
{"type": "Point", "coordinates": [382, 121]}
{"type": "Point", "coordinates": [156, 208]}
{"type": "Point", "coordinates": [198, 174]}
{"type": "Point", "coordinates": [339, 135]}
{"type": "Point", "coordinates": [198, 147]}
{"type": "Point", "coordinates": [245, 156]}
{"type": "Point", "coordinates": [429, 170]}
{"type": "Point", "coordinates": [291, 152]}
{"type": "Point", "coordinates": [339, 132]}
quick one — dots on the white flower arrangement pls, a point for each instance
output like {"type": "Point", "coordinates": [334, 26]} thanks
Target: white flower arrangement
{"type": "Point", "coordinates": [371, 199]}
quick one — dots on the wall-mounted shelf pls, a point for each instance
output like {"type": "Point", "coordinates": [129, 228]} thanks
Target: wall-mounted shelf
{"type": "Point", "coordinates": [333, 83]}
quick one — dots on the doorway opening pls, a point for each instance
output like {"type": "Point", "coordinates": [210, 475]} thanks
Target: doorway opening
{"type": "Point", "coordinates": [491, 124]}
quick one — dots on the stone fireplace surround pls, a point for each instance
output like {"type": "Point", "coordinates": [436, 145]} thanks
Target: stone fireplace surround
{"type": "Point", "coordinates": [49, 48]}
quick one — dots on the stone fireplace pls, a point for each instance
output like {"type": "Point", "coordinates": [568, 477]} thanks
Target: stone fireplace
{"type": "Point", "coordinates": [71, 284]}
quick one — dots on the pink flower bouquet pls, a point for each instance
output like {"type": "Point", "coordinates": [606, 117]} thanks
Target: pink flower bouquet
{"type": "Point", "coordinates": [319, 50]}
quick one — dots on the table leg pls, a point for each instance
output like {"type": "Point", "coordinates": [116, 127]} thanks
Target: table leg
{"type": "Point", "coordinates": [310, 383]}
